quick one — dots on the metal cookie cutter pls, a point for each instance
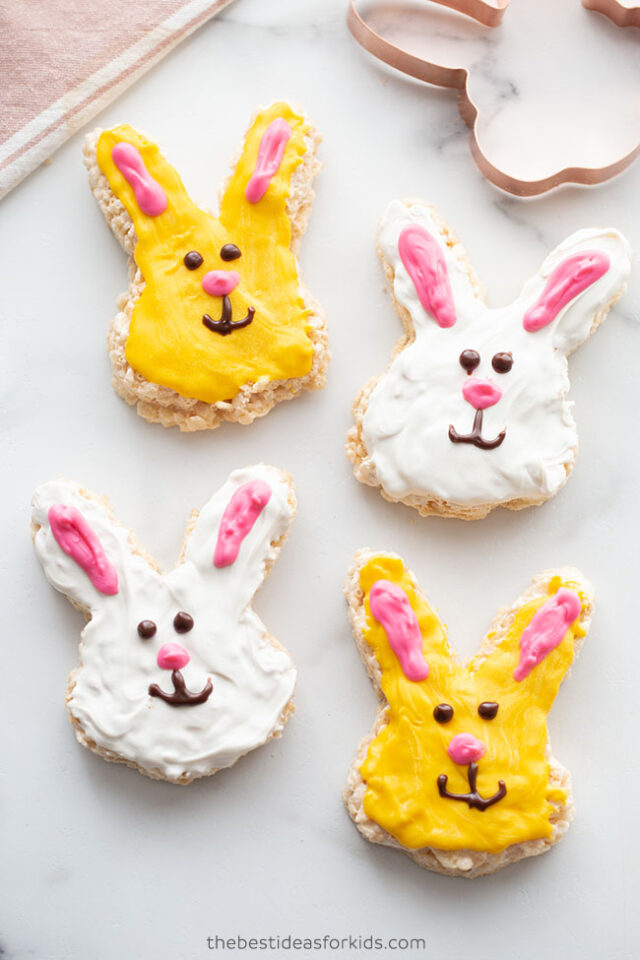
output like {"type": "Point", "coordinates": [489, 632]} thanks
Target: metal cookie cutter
{"type": "Point", "coordinates": [488, 13]}
{"type": "Point", "coordinates": [622, 12]}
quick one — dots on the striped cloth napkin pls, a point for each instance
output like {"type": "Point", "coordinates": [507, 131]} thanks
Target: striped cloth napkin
{"type": "Point", "coordinates": [62, 61]}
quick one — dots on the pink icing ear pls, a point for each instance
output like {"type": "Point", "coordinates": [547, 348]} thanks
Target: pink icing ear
{"type": "Point", "coordinates": [569, 279]}
{"type": "Point", "coordinates": [270, 154]}
{"type": "Point", "coordinates": [547, 630]}
{"type": "Point", "coordinates": [390, 606]}
{"type": "Point", "coordinates": [150, 196]}
{"type": "Point", "coordinates": [242, 511]}
{"type": "Point", "coordinates": [74, 535]}
{"type": "Point", "coordinates": [424, 262]}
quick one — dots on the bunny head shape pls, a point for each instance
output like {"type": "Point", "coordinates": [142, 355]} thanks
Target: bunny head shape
{"type": "Point", "coordinates": [178, 676]}
{"type": "Point", "coordinates": [472, 412]}
{"type": "Point", "coordinates": [526, 147]}
{"type": "Point", "coordinates": [458, 771]}
{"type": "Point", "coordinates": [217, 317]}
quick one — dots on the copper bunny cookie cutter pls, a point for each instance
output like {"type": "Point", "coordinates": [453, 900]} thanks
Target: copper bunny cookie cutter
{"type": "Point", "coordinates": [488, 13]}
{"type": "Point", "coordinates": [622, 14]}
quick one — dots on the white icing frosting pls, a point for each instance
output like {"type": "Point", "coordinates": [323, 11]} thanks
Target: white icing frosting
{"type": "Point", "coordinates": [252, 680]}
{"type": "Point", "coordinates": [406, 424]}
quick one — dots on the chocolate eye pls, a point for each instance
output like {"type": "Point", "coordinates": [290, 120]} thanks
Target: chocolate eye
{"type": "Point", "coordinates": [443, 713]}
{"type": "Point", "coordinates": [469, 360]}
{"type": "Point", "coordinates": [193, 260]}
{"type": "Point", "coordinates": [488, 709]}
{"type": "Point", "coordinates": [230, 252]}
{"type": "Point", "coordinates": [502, 362]}
{"type": "Point", "coordinates": [146, 629]}
{"type": "Point", "coordinates": [182, 622]}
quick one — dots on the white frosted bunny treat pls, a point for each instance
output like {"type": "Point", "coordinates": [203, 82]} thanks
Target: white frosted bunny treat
{"type": "Point", "coordinates": [472, 412]}
{"type": "Point", "coordinates": [178, 677]}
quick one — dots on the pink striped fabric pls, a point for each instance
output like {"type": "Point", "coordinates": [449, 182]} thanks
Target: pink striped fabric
{"type": "Point", "coordinates": [64, 60]}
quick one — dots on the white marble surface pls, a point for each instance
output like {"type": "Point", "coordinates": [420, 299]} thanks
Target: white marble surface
{"type": "Point", "coordinates": [99, 862]}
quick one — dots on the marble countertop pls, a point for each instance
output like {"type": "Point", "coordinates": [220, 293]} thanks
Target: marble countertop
{"type": "Point", "coordinates": [99, 862]}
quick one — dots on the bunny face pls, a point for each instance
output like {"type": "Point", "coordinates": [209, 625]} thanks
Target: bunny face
{"type": "Point", "coordinates": [177, 675]}
{"type": "Point", "coordinates": [462, 761]}
{"type": "Point", "coordinates": [473, 411]}
{"type": "Point", "coordinates": [221, 304]}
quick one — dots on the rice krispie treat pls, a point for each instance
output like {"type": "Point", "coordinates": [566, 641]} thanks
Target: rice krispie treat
{"type": "Point", "coordinates": [458, 771]}
{"type": "Point", "coordinates": [472, 412]}
{"type": "Point", "coordinates": [217, 323]}
{"type": "Point", "coordinates": [178, 677]}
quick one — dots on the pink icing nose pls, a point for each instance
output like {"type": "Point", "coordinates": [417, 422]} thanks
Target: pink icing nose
{"type": "Point", "coordinates": [172, 656]}
{"type": "Point", "coordinates": [480, 393]}
{"type": "Point", "coordinates": [220, 283]}
{"type": "Point", "coordinates": [465, 748]}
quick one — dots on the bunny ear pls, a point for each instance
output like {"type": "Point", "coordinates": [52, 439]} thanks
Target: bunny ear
{"type": "Point", "coordinates": [407, 639]}
{"type": "Point", "coordinates": [149, 188]}
{"type": "Point", "coordinates": [432, 279]}
{"type": "Point", "coordinates": [390, 606]}
{"type": "Point", "coordinates": [567, 281]}
{"type": "Point", "coordinates": [254, 203]}
{"type": "Point", "coordinates": [576, 284]}
{"type": "Point", "coordinates": [425, 263]}
{"type": "Point", "coordinates": [84, 552]}
{"type": "Point", "coordinates": [546, 626]}
{"type": "Point", "coordinates": [75, 536]}
{"type": "Point", "coordinates": [240, 530]}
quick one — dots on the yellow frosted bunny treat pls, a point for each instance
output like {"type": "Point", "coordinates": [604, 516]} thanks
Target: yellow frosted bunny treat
{"type": "Point", "coordinates": [458, 770]}
{"type": "Point", "coordinates": [217, 323]}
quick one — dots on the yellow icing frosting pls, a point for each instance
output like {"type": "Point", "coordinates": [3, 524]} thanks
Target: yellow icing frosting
{"type": "Point", "coordinates": [168, 343]}
{"type": "Point", "coordinates": [405, 760]}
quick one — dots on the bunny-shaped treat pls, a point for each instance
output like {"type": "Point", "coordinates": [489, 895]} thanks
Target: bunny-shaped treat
{"type": "Point", "coordinates": [178, 677]}
{"type": "Point", "coordinates": [217, 324]}
{"type": "Point", "coordinates": [472, 412]}
{"type": "Point", "coordinates": [458, 770]}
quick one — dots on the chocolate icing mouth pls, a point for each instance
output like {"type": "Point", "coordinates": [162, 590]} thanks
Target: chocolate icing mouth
{"type": "Point", "coordinates": [475, 437]}
{"type": "Point", "coordinates": [181, 697]}
{"type": "Point", "coordinates": [473, 798]}
{"type": "Point", "coordinates": [225, 325]}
